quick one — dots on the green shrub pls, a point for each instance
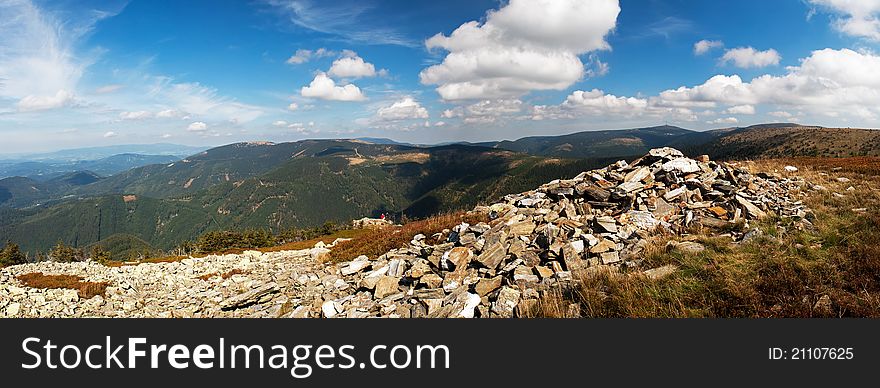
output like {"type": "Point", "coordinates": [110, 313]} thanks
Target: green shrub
{"type": "Point", "coordinates": [66, 254]}
{"type": "Point", "coordinates": [224, 240]}
{"type": "Point", "coordinates": [100, 255]}
{"type": "Point", "coordinates": [11, 255]}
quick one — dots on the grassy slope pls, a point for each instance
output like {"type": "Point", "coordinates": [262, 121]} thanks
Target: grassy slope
{"type": "Point", "coordinates": [775, 276]}
{"type": "Point", "coordinates": [793, 141]}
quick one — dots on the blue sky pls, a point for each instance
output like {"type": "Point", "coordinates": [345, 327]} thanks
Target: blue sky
{"type": "Point", "coordinates": [79, 73]}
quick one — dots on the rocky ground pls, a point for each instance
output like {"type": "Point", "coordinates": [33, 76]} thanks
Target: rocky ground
{"type": "Point", "coordinates": [541, 240]}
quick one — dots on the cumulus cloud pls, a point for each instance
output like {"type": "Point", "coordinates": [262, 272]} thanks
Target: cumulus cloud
{"type": "Point", "coordinates": [829, 82]}
{"type": "Point", "coordinates": [136, 115]}
{"type": "Point", "coordinates": [859, 18]}
{"type": "Point", "coordinates": [109, 134]}
{"type": "Point", "coordinates": [280, 123]}
{"type": "Point", "coordinates": [597, 103]}
{"type": "Point", "coordinates": [32, 103]}
{"type": "Point", "coordinates": [724, 120]}
{"type": "Point", "coordinates": [523, 46]}
{"type": "Point", "coordinates": [748, 57]}
{"type": "Point", "coordinates": [302, 55]}
{"type": "Point", "coordinates": [322, 87]}
{"type": "Point", "coordinates": [352, 67]}
{"type": "Point", "coordinates": [485, 111]}
{"type": "Point", "coordinates": [740, 110]}
{"type": "Point", "coordinates": [781, 114]}
{"type": "Point", "coordinates": [404, 109]}
{"type": "Point", "coordinates": [170, 113]}
{"type": "Point", "coordinates": [293, 106]}
{"type": "Point", "coordinates": [704, 46]}
{"type": "Point", "coordinates": [197, 126]}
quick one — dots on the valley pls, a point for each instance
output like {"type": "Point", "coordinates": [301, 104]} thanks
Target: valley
{"type": "Point", "coordinates": [276, 187]}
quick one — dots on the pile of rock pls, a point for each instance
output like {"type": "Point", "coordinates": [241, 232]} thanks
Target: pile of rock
{"type": "Point", "coordinates": [532, 242]}
{"type": "Point", "coordinates": [599, 220]}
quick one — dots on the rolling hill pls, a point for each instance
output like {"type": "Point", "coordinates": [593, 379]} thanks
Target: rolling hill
{"type": "Point", "coordinates": [305, 183]}
{"type": "Point", "coordinates": [278, 186]}
{"type": "Point", "coordinates": [593, 144]}
{"type": "Point", "coordinates": [787, 140]}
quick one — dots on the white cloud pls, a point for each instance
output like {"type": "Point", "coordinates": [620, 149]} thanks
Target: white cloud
{"type": "Point", "coordinates": [740, 110]}
{"type": "Point", "coordinates": [781, 114]}
{"type": "Point", "coordinates": [523, 46]}
{"type": "Point", "coordinates": [440, 124]}
{"type": "Point", "coordinates": [841, 82]}
{"type": "Point", "coordinates": [37, 63]}
{"type": "Point", "coordinates": [280, 123]}
{"type": "Point", "coordinates": [404, 109]}
{"type": "Point", "coordinates": [196, 99]}
{"type": "Point", "coordinates": [293, 106]}
{"type": "Point", "coordinates": [704, 46]}
{"type": "Point", "coordinates": [166, 136]}
{"type": "Point", "coordinates": [302, 56]}
{"type": "Point", "coordinates": [136, 115]}
{"type": "Point", "coordinates": [485, 111]}
{"type": "Point", "coordinates": [352, 67]}
{"type": "Point", "coordinates": [197, 126]}
{"type": "Point", "coordinates": [597, 103]}
{"type": "Point", "coordinates": [725, 120]}
{"type": "Point", "coordinates": [170, 113]}
{"type": "Point", "coordinates": [748, 57]}
{"type": "Point", "coordinates": [32, 103]}
{"type": "Point", "coordinates": [322, 87]}
{"type": "Point", "coordinates": [109, 134]}
{"type": "Point", "coordinates": [859, 18]}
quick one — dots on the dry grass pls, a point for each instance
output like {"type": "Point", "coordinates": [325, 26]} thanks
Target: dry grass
{"type": "Point", "coordinates": [294, 246]}
{"type": "Point", "coordinates": [779, 275]}
{"type": "Point", "coordinates": [376, 242]}
{"type": "Point", "coordinates": [85, 290]}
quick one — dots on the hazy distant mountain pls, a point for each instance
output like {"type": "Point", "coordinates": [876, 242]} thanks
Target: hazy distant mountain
{"type": "Point", "coordinates": [95, 153]}
{"type": "Point", "coordinates": [48, 169]}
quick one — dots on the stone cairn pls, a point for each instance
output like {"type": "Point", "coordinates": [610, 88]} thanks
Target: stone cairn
{"type": "Point", "coordinates": [534, 242]}
{"type": "Point", "coordinates": [545, 238]}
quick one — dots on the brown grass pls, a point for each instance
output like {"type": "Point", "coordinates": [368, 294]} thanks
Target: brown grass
{"type": "Point", "coordinates": [85, 290]}
{"type": "Point", "coordinates": [779, 275]}
{"type": "Point", "coordinates": [376, 242]}
{"type": "Point", "coordinates": [294, 246]}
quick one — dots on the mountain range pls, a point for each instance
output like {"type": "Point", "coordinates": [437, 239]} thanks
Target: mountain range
{"type": "Point", "coordinates": [306, 183]}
